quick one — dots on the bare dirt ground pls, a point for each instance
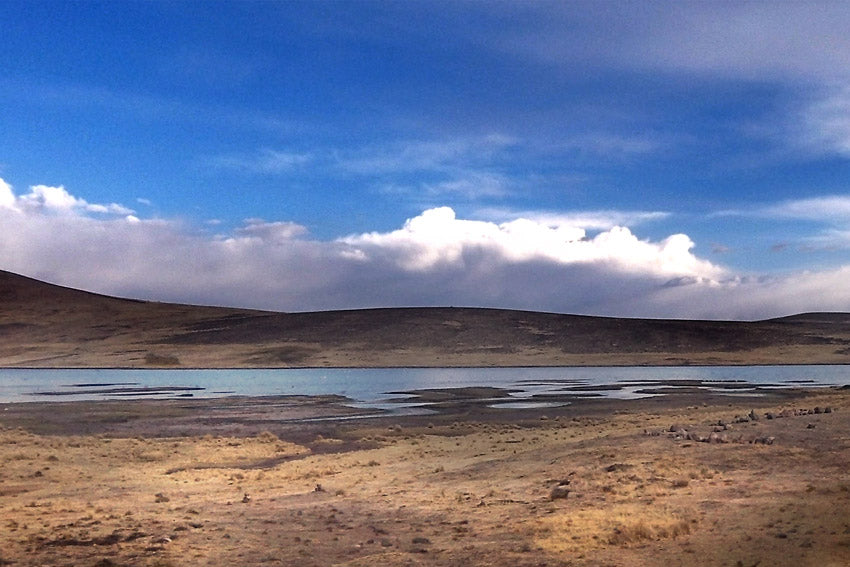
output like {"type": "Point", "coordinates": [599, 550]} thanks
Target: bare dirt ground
{"type": "Point", "coordinates": [250, 482]}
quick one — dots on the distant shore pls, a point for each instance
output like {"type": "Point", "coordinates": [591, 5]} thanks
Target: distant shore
{"type": "Point", "coordinates": [47, 326]}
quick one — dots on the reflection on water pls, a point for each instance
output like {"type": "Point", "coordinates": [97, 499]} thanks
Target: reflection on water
{"type": "Point", "coordinates": [400, 389]}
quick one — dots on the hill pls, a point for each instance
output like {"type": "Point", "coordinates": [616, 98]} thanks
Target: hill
{"type": "Point", "coordinates": [44, 325]}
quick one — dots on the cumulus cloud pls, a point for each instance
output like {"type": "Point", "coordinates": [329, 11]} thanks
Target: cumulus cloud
{"type": "Point", "coordinates": [590, 220]}
{"type": "Point", "coordinates": [438, 238]}
{"type": "Point", "coordinates": [44, 198]}
{"type": "Point", "coordinates": [435, 258]}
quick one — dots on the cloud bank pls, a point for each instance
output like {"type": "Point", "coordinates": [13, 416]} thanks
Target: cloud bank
{"type": "Point", "coordinates": [435, 258]}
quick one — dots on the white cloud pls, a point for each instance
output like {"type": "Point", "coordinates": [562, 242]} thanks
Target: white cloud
{"type": "Point", "coordinates": [433, 259]}
{"type": "Point", "coordinates": [613, 146]}
{"type": "Point", "coordinates": [437, 237]}
{"type": "Point", "coordinates": [753, 297]}
{"type": "Point", "coordinates": [433, 155]}
{"type": "Point", "coordinates": [7, 196]}
{"type": "Point", "coordinates": [826, 122]}
{"type": "Point", "coordinates": [56, 200]}
{"type": "Point", "coordinates": [740, 39]}
{"type": "Point", "coordinates": [271, 231]}
{"type": "Point", "coordinates": [590, 220]}
{"type": "Point", "coordinates": [267, 161]}
{"type": "Point", "coordinates": [831, 212]}
{"type": "Point", "coordinates": [825, 209]}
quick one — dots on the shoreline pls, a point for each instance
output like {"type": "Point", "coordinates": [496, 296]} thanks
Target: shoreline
{"type": "Point", "coordinates": [677, 364]}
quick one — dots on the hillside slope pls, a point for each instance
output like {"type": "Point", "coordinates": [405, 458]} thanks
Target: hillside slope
{"type": "Point", "coordinates": [44, 325]}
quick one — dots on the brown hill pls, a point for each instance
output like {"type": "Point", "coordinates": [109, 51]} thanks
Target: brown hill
{"type": "Point", "coordinates": [44, 325]}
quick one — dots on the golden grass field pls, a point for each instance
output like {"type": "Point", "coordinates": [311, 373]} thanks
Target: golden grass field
{"type": "Point", "coordinates": [118, 486]}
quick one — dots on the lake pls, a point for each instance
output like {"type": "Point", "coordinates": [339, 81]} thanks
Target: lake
{"type": "Point", "coordinates": [392, 387]}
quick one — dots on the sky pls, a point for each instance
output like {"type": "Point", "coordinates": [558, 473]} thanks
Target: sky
{"type": "Point", "coordinates": [637, 159]}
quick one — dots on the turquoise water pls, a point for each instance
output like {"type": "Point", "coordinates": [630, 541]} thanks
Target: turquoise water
{"type": "Point", "coordinates": [375, 387]}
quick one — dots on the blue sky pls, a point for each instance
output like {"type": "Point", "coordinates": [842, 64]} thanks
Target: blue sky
{"type": "Point", "coordinates": [663, 159]}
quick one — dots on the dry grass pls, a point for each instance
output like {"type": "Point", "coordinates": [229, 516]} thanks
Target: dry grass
{"type": "Point", "coordinates": [464, 493]}
{"type": "Point", "coordinates": [583, 530]}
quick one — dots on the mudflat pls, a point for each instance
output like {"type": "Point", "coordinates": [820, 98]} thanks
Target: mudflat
{"type": "Point", "coordinates": [686, 479]}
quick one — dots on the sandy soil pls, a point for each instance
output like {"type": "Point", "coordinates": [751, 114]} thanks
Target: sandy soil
{"type": "Point", "coordinates": [250, 482]}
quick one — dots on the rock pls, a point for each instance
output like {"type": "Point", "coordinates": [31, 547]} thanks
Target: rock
{"type": "Point", "coordinates": [827, 409]}
{"type": "Point", "coordinates": [717, 438]}
{"type": "Point", "coordinates": [560, 491]}
{"type": "Point", "coordinates": [246, 498]}
{"type": "Point", "coordinates": [769, 415]}
{"type": "Point", "coordinates": [764, 440]}
{"type": "Point", "coordinates": [159, 498]}
{"type": "Point", "coordinates": [421, 541]}
{"type": "Point", "coordinates": [753, 415]}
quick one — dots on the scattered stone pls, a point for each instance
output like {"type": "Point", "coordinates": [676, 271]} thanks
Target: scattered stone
{"type": "Point", "coordinates": [560, 491]}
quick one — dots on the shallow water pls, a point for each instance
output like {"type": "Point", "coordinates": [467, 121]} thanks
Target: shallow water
{"type": "Point", "coordinates": [391, 387]}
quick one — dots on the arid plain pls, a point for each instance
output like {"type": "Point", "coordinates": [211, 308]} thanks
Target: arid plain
{"type": "Point", "coordinates": [691, 478]}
